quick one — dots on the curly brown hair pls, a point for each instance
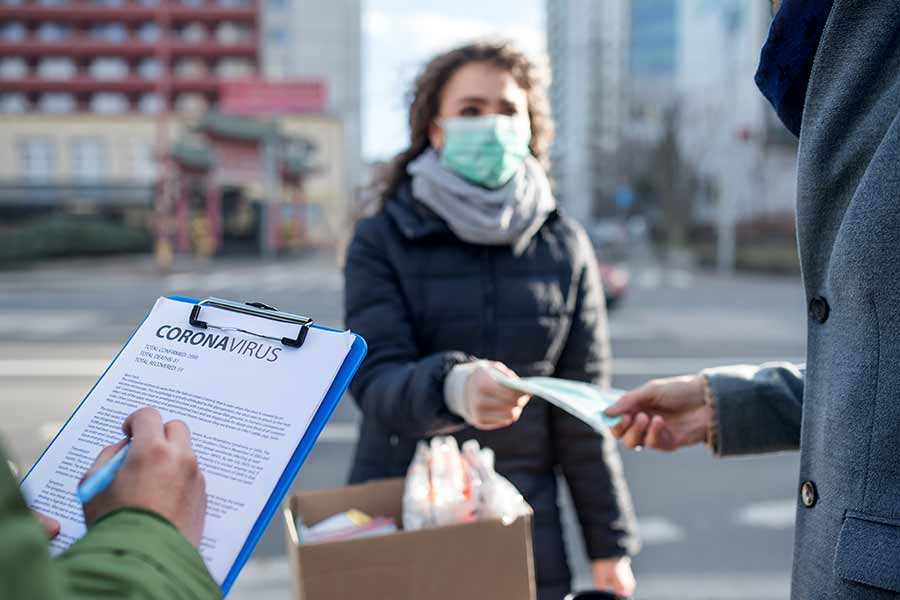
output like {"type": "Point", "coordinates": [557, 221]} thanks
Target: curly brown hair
{"type": "Point", "coordinates": [425, 99]}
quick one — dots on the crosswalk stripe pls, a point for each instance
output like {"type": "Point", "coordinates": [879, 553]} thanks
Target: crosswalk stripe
{"type": "Point", "coordinates": [678, 366]}
{"type": "Point", "coordinates": [656, 530]}
{"type": "Point", "coordinates": [53, 367]}
{"type": "Point", "coordinates": [775, 514]}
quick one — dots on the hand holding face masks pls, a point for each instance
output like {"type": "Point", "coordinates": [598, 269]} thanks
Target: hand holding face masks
{"type": "Point", "coordinates": [472, 392]}
{"type": "Point", "coordinates": [665, 414]}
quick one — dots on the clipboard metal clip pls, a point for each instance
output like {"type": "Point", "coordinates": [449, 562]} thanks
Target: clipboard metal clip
{"type": "Point", "coordinates": [254, 309]}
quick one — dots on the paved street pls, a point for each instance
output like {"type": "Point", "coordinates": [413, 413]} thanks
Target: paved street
{"type": "Point", "coordinates": [712, 529]}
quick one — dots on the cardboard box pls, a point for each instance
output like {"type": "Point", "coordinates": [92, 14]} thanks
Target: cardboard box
{"type": "Point", "coordinates": [485, 559]}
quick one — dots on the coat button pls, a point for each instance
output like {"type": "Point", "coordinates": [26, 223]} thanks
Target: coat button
{"type": "Point", "coordinates": [808, 494]}
{"type": "Point", "coordinates": [819, 309]}
{"type": "Point", "coordinates": [395, 440]}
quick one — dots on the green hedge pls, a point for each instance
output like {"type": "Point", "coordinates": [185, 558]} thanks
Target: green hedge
{"type": "Point", "coordinates": [70, 236]}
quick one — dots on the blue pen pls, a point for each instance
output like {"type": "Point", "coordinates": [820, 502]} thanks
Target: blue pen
{"type": "Point", "coordinates": [102, 477]}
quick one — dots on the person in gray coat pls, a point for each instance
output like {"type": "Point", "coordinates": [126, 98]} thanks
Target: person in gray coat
{"type": "Point", "coordinates": [832, 72]}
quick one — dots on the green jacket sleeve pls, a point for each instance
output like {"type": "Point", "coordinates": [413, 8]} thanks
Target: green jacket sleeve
{"type": "Point", "coordinates": [133, 554]}
{"type": "Point", "coordinates": [129, 554]}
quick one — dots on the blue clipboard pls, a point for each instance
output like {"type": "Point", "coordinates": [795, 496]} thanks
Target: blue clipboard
{"type": "Point", "coordinates": [329, 403]}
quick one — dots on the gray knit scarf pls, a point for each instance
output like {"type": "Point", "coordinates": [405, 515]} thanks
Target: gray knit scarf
{"type": "Point", "coordinates": [510, 215]}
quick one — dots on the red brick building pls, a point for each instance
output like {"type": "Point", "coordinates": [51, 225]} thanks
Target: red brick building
{"type": "Point", "coordinates": [124, 55]}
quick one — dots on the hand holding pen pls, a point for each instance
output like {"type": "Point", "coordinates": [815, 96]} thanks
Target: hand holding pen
{"type": "Point", "coordinates": [153, 469]}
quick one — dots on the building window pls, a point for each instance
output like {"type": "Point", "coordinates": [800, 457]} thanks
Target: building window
{"type": "Point", "coordinates": [113, 33]}
{"type": "Point", "coordinates": [109, 103]}
{"type": "Point", "coordinates": [37, 157]}
{"type": "Point", "coordinates": [149, 32]}
{"type": "Point", "coordinates": [151, 104]}
{"type": "Point", "coordinates": [53, 2]}
{"type": "Point", "coordinates": [191, 68]}
{"type": "Point", "coordinates": [277, 37]}
{"type": "Point", "coordinates": [53, 32]}
{"type": "Point", "coordinates": [13, 68]}
{"type": "Point", "coordinates": [57, 68]}
{"type": "Point", "coordinates": [143, 160]}
{"type": "Point", "coordinates": [150, 68]}
{"type": "Point", "coordinates": [88, 158]}
{"type": "Point", "coordinates": [57, 103]}
{"type": "Point", "coordinates": [194, 33]}
{"type": "Point", "coordinates": [234, 68]}
{"type": "Point", "coordinates": [191, 104]}
{"type": "Point", "coordinates": [13, 103]}
{"type": "Point", "coordinates": [231, 33]}
{"type": "Point", "coordinates": [109, 68]}
{"type": "Point", "coordinates": [13, 32]}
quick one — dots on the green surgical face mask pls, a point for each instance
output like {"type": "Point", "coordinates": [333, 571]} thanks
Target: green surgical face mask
{"type": "Point", "coordinates": [487, 150]}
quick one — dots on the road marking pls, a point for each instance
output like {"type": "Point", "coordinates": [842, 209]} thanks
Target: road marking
{"type": "Point", "coordinates": [680, 279]}
{"type": "Point", "coordinates": [47, 323]}
{"type": "Point", "coordinates": [180, 282]}
{"type": "Point", "coordinates": [775, 514]}
{"type": "Point", "coordinates": [52, 367]}
{"type": "Point", "coordinates": [679, 366]}
{"type": "Point", "coordinates": [225, 279]}
{"type": "Point", "coordinates": [655, 530]}
{"type": "Point", "coordinates": [774, 585]}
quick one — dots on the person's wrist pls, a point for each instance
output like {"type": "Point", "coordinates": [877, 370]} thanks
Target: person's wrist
{"type": "Point", "coordinates": [711, 438]}
{"type": "Point", "coordinates": [455, 386]}
{"type": "Point", "coordinates": [695, 427]}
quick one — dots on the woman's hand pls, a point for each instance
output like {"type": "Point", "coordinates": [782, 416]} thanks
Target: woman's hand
{"type": "Point", "coordinates": [665, 414]}
{"type": "Point", "coordinates": [614, 575]}
{"type": "Point", "coordinates": [484, 403]}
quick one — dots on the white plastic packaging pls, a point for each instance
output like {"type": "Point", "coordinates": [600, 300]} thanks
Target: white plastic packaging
{"type": "Point", "coordinates": [445, 486]}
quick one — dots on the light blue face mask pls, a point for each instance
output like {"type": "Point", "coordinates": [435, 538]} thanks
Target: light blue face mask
{"type": "Point", "coordinates": [487, 150]}
{"type": "Point", "coordinates": [584, 401]}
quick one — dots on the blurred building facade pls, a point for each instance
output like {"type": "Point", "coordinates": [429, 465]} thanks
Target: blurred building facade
{"type": "Point", "coordinates": [628, 72]}
{"type": "Point", "coordinates": [63, 60]}
{"type": "Point", "coordinates": [727, 128]}
{"type": "Point", "coordinates": [97, 97]}
{"type": "Point", "coordinates": [653, 26]}
{"type": "Point", "coordinates": [321, 40]}
{"type": "Point", "coordinates": [652, 67]}
{"type": "Point", "coordinates": [588, 47]}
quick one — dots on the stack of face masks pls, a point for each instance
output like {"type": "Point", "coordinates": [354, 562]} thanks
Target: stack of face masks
{"type": "Point", "coordinates": [582, 400]}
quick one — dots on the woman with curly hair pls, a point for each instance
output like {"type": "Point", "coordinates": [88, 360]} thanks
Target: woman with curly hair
{"type": "Point", "coordinates": [470, 266]}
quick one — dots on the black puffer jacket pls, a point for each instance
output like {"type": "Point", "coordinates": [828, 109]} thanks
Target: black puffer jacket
{"type": "Point", "coordinates": [426, 301]}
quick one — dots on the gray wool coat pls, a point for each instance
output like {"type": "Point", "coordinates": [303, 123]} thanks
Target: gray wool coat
{"type": "Point", "coordinates": [843, 410]}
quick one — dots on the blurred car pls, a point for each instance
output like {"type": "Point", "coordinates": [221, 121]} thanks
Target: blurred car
{"type": "Point", "coordinates": [615, 283]}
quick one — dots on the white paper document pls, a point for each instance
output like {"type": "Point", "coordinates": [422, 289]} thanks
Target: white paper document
{"type": "Point", "coordinates": [247, 400]}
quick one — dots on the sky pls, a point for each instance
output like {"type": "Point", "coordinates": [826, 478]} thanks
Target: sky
{"type": "Point", "coordinates": [399, 36]}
